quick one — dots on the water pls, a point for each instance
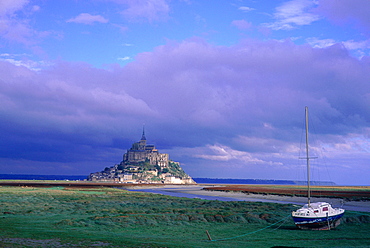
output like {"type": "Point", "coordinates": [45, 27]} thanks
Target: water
{"type": "Point", "coordinates": [41, 177]}
{"type": "Point", "coordinates": [260, 181]}
{"type": "Point", "coordinates": [197, 180]}
{"type": "Point", "coordinates": [177, 192]}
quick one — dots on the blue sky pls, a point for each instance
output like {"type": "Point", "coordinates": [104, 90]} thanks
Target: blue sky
{"type": "Point", "coordinates": [220, 85]}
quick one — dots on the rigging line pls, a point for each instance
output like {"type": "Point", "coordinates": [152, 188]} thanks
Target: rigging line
{"type": "Point", "coordinates": [252, 232]}
{"type": "Point", "coordinates": [282, 223]}
{"type": "Point", "coordinates": [301, 173]}
{"type": "Point", "coordinates": [314, 148]}
{"type": "Point", "coordinates": [320, 147]}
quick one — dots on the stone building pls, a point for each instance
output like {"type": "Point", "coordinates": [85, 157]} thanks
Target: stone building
{"type": "Point", "coordinates": [141, 152]}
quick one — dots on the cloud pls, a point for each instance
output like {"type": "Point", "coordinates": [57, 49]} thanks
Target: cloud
{"type": "Point", "coordinates": [63, 103]}
{"type": "Point", "coordinates": [353, 12]}
{"type": "Point", "coordinates": [354, 45]}
{"type": "Point", "coordinates": [358, 48]}
{"type": "Point", "coordinates": [245, 9]}
{"type": "Point", "coordinates": [86, 18]}
{"type": "Point", "coordinates": [148, 10]}
{"type": "Point", "coordinates": [320, 43]}
{"type": "Point", "coordinates": [8, 7]}
{"type": "Point", "coordinates": [24, 60]}
{"type": "Point", "coordinates": [36, 8]}
{"type": "Point", "coordinates": [124, 58]}
{"type": "Point", "coordinates": [121, 28]}
{"type": "Point", "coordinates": [11, 28]}
{"type": "Point", "coordinates": [241, 24]}
{"type": "Point", "coordinates": [15, 28]}
{"type": "Point", "coordinates": [293, 13]}
{"type": "Point", "coordinates": [230, 106]}
{"type": "Point", "coordinates": [223, 153]}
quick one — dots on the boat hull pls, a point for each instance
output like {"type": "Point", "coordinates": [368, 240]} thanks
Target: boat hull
{"type": "Point", "coordinates": [319, 223]}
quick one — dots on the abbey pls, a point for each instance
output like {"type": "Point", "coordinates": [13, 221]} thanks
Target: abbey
{"type": "Point", "coordinates": [143, 163]}
{"type": "Point", "coordinates": [140, 152]}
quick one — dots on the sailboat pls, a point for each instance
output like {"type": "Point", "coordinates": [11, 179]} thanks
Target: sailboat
{"type": "Point", "coordinates": [317, 215]}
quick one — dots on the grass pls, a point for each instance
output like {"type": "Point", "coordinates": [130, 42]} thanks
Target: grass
{"type": "Point", "coordinates": [108, 217]}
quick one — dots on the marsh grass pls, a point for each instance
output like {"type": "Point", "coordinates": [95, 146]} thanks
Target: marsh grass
{"type": "Point", "coordinates": [106, 217]}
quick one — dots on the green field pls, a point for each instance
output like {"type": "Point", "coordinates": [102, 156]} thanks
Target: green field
{"type": "Point", "coordinates": [108, 217]}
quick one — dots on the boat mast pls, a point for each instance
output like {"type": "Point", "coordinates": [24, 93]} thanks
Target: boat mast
{"type": "Point", "coordinates": [308, 160]}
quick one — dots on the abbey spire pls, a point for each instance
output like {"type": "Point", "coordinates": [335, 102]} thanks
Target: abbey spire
{"type": "Point", "coordinates": [143, 136]}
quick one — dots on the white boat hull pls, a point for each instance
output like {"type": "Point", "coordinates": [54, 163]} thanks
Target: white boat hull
{"type": "Point", "coordinates": [317, 216]}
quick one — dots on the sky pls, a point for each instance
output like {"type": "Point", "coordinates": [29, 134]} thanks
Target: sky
{"type": "Point", "coordinates": [219, 85]}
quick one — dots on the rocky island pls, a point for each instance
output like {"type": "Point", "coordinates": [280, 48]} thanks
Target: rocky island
{"type": "Point", "coordinates": [143, 163]}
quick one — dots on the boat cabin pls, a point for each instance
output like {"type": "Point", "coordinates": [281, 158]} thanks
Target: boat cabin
{"type": "Point", "coordinates": [317, 209]}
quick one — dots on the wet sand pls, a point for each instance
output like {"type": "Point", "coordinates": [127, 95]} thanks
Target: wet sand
{"type": "Point", "coordinates": [196, 191]}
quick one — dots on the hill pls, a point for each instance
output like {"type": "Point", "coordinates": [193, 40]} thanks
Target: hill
{"type": "Point", "coordinates": [143, 163]}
